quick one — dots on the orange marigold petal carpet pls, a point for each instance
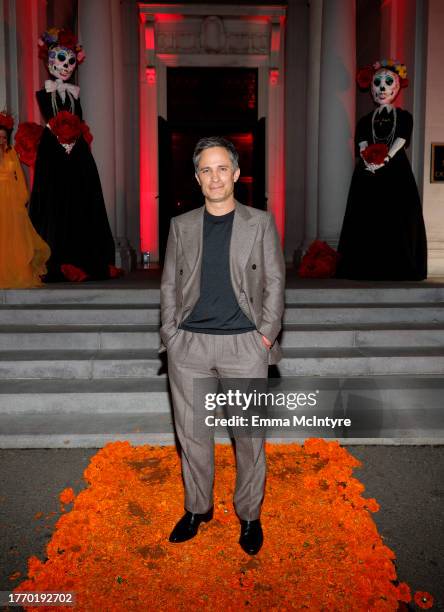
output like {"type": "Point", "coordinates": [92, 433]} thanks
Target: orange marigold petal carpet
{"type": "Point", "coordinates": [322, 550]}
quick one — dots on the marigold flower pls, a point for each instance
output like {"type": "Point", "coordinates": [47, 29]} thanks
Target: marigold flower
{"type": "Point", "coordinates": [404, 593]}
{"type": "Point", "coordinates": [112, 547]}
{"type": "Point", "coordinates": [423, 599]}
{"type": "Point", "coordinates": [67, 495]}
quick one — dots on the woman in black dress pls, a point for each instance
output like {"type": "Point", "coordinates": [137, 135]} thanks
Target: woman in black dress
{"type": "Point", "coordinates": [67, 206]}
{"type": "Point", "coordinates": [383, 235]}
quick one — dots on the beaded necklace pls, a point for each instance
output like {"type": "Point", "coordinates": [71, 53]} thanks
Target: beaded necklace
{"type": "Point", "coordinates": [388, 140]}
{"type": "Point", "coordinates": [55, 108]}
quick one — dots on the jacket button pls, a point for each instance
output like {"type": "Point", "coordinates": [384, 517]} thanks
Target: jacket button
{"type": "Point", "coordinates": [254, 266]}
{"type": "Point", "coordinates": [251, 300]}
{"type": "Point", "coordinates": [181, 272]}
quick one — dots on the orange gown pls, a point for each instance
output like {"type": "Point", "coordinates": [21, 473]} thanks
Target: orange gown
{"type": "Point", "coordinates": [23, 254]}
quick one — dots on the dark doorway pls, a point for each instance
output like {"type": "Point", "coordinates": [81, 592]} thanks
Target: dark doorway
{"type": "Point", "coordinates": [208, 102]}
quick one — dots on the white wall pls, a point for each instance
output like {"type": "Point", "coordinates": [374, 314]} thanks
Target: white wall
{"type": "Point", "coordinates": [433, 193]}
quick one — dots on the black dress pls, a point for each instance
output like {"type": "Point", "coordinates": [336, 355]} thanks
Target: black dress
{"type": "Point", "coordinates": [67, 207]}
{"type": "Point", "coordinates": [383, 235]}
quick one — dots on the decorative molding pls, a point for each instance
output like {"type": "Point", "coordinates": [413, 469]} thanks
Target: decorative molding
{"type": "Point", "coordinates": [213, 35]}
{"type": "Point", "coordinates": [222, 10]}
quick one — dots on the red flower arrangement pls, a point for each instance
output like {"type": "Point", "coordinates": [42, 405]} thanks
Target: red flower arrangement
{"type": "Point", "coordinates": [86, 133]}
{"type": "Point", "coordinates": [68, 128]}
{"type": "Point", "coordinates": [375, 153]}
{"type": "Point", "coordinates": [75, 275]}
{"type": "Point", "coordinates": [67, 39]}
{"type": "Point", "coordinates": [61, 38]}
{"type": "Point", "coordinates": [115, 272]}
{"type": "Point", "coordinates": [6, 121]}
{"type": "Point", "coordinates": [319, 261]}
{"type": "Point", "coordinates": [364, 77]}
{"type": "Point", "coordinates": [27, 141]}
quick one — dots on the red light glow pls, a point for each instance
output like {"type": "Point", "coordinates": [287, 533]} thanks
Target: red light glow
{"type": "Point", "coordinates": [165, 18]}
{"type": "Point", "coordinates": [150, 74]}
{"type": "Point", "coordinates": [149, 39]}
{"type": "Point", "coordinates": [274, 76]}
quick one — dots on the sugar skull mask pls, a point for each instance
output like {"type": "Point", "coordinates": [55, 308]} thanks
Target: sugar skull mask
{"type": "Point", "coordinates": [61, 62]}
{"type": "Point", "coordinates": [385, 86]}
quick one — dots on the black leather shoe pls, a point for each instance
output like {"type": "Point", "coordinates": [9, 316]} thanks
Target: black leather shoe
{"type": "Point", "coordinates": [251, 536]}
{"type": "Point", "coordinates": [188, 525]}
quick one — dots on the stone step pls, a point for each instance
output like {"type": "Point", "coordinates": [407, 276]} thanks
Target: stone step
{"type": "Point", "coordinates": [341, 336]}
{"type": "Point", "coordinates": [55, 396]}
{"type": "Point", "coordinates": [105, 364]}
{"type": "Point", "coordinates": [75, 295]}
{"type": "Point", "coordinates": [350, 314]}
{"type": "Point", "coordinates": [70, 430]}
{"type": "Point", "coordinates": [80, 337]}
{"type": "Point", "coordinates": [64, 429]}
{"type": "Point", "coordinates": [81, 314]}
{"type": "Point", "coordinates": [89, 294]}
{"type": "Point", "coordinates": [148, 395]}
{"type": "Point", "coordinates": [137, 314]}
{"type": "Point", "coordinates": [112, 337]}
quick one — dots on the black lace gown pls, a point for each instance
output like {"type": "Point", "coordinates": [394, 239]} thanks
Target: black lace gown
{"type": "Point", "coordinates": [383, 235]}
{"type": "Point", "coordinates": [67, 207]}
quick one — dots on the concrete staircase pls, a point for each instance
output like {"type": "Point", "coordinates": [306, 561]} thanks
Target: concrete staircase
{"type": "Point", "coordinates": [79, 365]}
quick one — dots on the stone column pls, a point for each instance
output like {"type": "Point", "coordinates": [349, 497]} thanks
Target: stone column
{"type": "Point", "coordinates": [149, 176]}
{"type": "Point", "coordinates": [312, 123]}
{"type": "Point", "coordinates": [100, 79]}
{"type": "Point", "coordinates": [336, 114]}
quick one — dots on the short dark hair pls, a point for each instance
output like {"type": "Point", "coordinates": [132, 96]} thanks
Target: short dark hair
{"type": "Point", "coordinates": [215, 141]}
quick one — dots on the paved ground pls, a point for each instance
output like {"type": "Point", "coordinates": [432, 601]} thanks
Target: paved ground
{"type": "Point", "coordinates": [408, 482]}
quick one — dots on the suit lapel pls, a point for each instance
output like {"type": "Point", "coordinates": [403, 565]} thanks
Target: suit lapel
{"type": "Point", "coordinates": [242, 240]}
{"type": "Point", "coordinates": [192, 235]}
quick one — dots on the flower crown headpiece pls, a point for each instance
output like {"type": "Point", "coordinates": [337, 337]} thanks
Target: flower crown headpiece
{"type": "Point", "coordinates": [6, 121]}
{"type": "Point", "coordinates": [365, 75]}
{"type": "Point", "coordinates": [59, 37]}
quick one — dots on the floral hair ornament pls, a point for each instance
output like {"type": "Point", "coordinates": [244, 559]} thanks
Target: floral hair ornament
{"type": "Point", "coordinates": [59, 37]}
{"type": "Point", "coordinates": [6, 121]}
{"type": "Point", "coordinates": [365, 75]}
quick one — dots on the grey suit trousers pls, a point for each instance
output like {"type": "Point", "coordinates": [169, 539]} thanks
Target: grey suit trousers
{"type": "Point", "coordinates": [196, 355]}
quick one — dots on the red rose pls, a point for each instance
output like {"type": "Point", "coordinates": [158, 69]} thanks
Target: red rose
{"type": "Point", "coordinates": [27, 140]}
{"type": "Point", "coordinates": [364, 77]}
{"type": "Point", "coordinates": [375, 153]}
{"type": "Point", "coordinates": [6, 121]}
{"type": "Point", "coordinates": [403, 83]}
{"type": "Point", "coordinates": [86, 133]}
{"type": "Point", "coordinates": [73, 273]}
{"type": "Point", "coordinates": [67, 39]}
{"type": "Point", "coordinates": [319, 261]}
{"type": "Point", "coordinates": [66, 126]}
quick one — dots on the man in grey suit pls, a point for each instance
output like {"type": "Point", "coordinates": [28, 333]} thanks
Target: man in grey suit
{"type": "Point", "coordinates": [222, 301]}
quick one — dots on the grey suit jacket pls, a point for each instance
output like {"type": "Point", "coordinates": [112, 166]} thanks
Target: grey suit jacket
{"type": "Point", "coordinates": [257, 270]}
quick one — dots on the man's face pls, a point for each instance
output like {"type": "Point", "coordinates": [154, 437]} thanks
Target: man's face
{"type": "Point", "coordinates": [216, 175]}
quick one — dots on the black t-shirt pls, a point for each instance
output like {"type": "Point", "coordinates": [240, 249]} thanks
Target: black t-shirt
{"type": "Point", "coordinates": [217, 310]}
